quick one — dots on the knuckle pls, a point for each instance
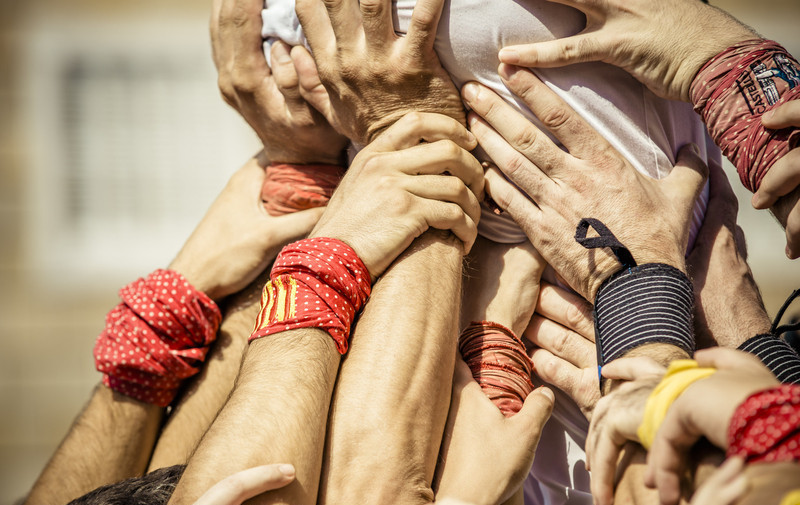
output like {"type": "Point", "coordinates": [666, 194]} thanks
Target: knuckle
{"type": "Point", "coordinates": [556, 116]}
{"type": "Point", "coordinates": [561, 342]}
{"type": "Point", "coordinates": [413, 120]}
{"type": "Point", "coordinates": [371, 7]}
{"type": "Point", "coordinates": [525, 139]}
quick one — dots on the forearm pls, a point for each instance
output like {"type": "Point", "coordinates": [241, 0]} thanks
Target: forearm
{"type": "Point", "coordinates": [98, 449]}
{"type": "Point", "coordinates": [276, 414]}
{"type": "Point", "coordinates": [205, 396]}
{"type": "Point", "coordinates": [392, 396]}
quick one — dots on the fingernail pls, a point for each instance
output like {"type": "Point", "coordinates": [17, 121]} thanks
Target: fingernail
{"type": "Point", "coordinates": [280, 53]}
{"type": "Point", "coordinates": [547, 393]}
{"type": "Point", "coordinates": [695, 149]}
{"type": "Point", "coordinates": [756, 201]}
{"type": "Point", "coordinates": [508, 56]}
{"type": "Point", "coordinates": [470, 91]}
{"type": "Point", "coordinates": [471, 120]}
{"type": "Point", "coordinates": [768, 115]}
{"type": "Point", "coordinates": [789, 253]}
{"type": "Point", "coordinates": [287, 470]}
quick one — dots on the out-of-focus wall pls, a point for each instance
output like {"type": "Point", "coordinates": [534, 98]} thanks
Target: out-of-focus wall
{"type": "Point", "coordinates": [113, 141]}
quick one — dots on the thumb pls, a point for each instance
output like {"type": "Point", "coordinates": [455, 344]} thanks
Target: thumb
{"type": "Point", "coordinates": [535, 411]}
{"type": "Point", "coordinates": [311, 87]}
{"type": "Point", "coordinates": [684, 183]}
{"type": "Point", "coordinates": [294, 226]}
{"type": "Point", "coordinates": [555, 53]}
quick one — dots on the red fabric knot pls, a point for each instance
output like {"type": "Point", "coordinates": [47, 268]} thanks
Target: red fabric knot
{"type": "Point", "coordinates": [733, 90]}
{"type": "Point", "coordinates": [315, 283]}
{"type": "Point", "coordinates": [289, 188]}
{"type": "Point", "coordinates": [766, 426]}
{"type": "Point", "coordinates": [156, 338]}
{"type": "Point", "coordinates": [499, 363]}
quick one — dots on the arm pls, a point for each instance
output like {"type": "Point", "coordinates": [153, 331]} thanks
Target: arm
{"type": "Point", "coordinates": [279, 407]}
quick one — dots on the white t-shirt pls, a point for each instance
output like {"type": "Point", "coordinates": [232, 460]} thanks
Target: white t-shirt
{"type": "Point", "coordinates": [646, 129]}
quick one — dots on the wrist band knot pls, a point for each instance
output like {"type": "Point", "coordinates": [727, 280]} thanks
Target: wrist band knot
{"type": "Point", "coordinates": [314, 283]}
{"type": "Point", "coordinates": [156, 338]}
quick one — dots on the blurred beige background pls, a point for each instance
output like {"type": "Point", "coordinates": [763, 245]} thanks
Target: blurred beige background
{"type": "Point", "coordinates": [113, 142]}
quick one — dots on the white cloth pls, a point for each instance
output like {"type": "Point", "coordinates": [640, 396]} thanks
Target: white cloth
{"type": "Point", "coordinates": [647, 130]}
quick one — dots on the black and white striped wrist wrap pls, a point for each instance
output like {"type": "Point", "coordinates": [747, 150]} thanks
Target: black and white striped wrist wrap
{"type": "Point", "coordinates": [774, 351]}
{"type": "Point", "coordinates": [643, 305]}
{"type": "Point", "coordinates": [640, 304]}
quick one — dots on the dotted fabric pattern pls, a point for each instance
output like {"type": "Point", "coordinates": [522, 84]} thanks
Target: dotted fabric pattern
{"type": "Point", "coordinates": [499, 363]}
{"type": "Point", "coordinates": [766, 426]}
{"type": "Point", "coordinates": [733, 90]}
{"type": "Point", "coordinates": [315, 283]}
{"type": "Point", "coordinates": [156, 338]}
{"type": "Point", "coordinates": [289, 188]}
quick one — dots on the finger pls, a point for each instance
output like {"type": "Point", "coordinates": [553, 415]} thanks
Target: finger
{"type": "Point", "coordinates": [535, 411]}
{"type": "Point", "coordinates": [285, 75]}
{"type": "Point", "coordinates": [437, 157]}
{"type": "Point", "coordinates": [217, 45]}
{"type": "Point", "coordinates": [376, 18]}
{"type": "Point", "coordinates": [781, 179]}
{"type": "Point", "coordinates": [604, 468]}
{"type": "Point", "coordinates": [243, 25]}
{"type": "Point", "coordinates": [561, 342]}
{"type": "Point", "coordinates": [509, 198]}
{"type": "Point", "coordinates": [630, 369]}
{"type": "Point", "coordinates": [686, 180]}
{"type": "Point", "coordinates": [793, 233]}
{"type": "Point", "coordinates": [310, 87]}
{"type": "Point", "coordinates": [723, 206]}
{"type": "Point", "coordinates": [580, 139]}
{"type": "Point", "coordinates": [292, 226]}
{"type": "Point", "coordinates": [519, 133]}
{"type": "Point", "coordinates": [667, 457]}
{"type": "Point", "coordinates": [556, 53]}
{"type": "Point", "coordinates": [448, 216]}
{"type": "Point", "coordinates": [445, 188]}
{"type": "Point", "coordinates": [566, 308]}
{"type": "Point", "coordinates": [345, 21]}
{"type": "Point", "coordinates": [423, 25]}
{"type": "Point", "coordinates": [515, 166]}
{"type": "Point", "coordinates": [417, 127]}
{"type": "Point", "coordinates": [556, 371]}
{"type": "Point", "coordinates": [784, 116]}
{"type": "Point", "coordinates": [724, 486]}
{"type": "Point", "coordinates": [721, 358]}
{"type": "Point", "coordinates": [316, 25]}
{"type": "Point", "coordinates": [241, 486]}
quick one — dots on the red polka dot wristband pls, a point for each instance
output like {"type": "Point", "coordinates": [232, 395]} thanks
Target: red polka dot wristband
{"type": "Point", "coordinates": [733, 90]}
{"type": "Point", "coordinates": [766, 427]}
{"type": "Point", "coordinates": [315, 283]}
{"type": "Point", "coordinates": [156, 338]}
{"type": "Point", "coordinates": [498, 362]}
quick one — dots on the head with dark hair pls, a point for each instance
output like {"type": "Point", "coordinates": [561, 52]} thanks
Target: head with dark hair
{"type": "Point", "coordinates": [155, 488]}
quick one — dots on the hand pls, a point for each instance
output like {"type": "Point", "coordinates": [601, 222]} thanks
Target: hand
{"type": "Point", "coordinates": [662, 44]}
{"type": "Point", "coordinates": [616, 420]}
{"type": "Point", "coordinates": [725, 486]}
{"type": "Point", "coordinates": [723, 283]}
{"type": "Point", "coordinates": [651, 217]}
{"type": "Point", "coordinates": [561, 336]}
{"type": "Point", "coordinates": [781, 185]}
{"type": "Point", "coordinates": [485, 456]}
{"type": "Point", "coordinates": [270, 100]}
{"type": "Point", "coordinates": [396, 189]}
{"type": "Point", "coordinates": [374, 76]}
{"type": "Point", "coordinates": [502, 284]}
{"type": "Point", "coordinates": [241, 486]}
{"type": "Point", "coordinates": [704, 409]}
{"type": "Point", "coordinates": [237, 238]}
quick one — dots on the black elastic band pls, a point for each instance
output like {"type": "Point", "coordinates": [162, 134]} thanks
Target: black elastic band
{"type": "Point", "coordinates": [780, 330]}
{"type": "Point", "coordinates": [604, 239]}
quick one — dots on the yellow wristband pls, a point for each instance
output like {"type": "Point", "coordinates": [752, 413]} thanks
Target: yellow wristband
{"type": "Point", "coordinates": [681, 374]}
{"type": "Point", "coordinates": [792, 498]}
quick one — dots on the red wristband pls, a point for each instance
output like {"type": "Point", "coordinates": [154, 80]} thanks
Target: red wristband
{"type": "Point", "coordinates": [766, 427]}
{"type": "Point", "coordinates": [289, 188]}
{"type": "Point", "coordinates": [156, 338]}
{"type": "Point", "coordinates": [499, 363]}
{"type": "Point", "coordinates": [733, 90]}
{"type": "Point", "coordinates": [315, 283]}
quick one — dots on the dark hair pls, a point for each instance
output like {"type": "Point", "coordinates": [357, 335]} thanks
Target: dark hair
{"type": "Point", "coordinates": [155, 488]}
